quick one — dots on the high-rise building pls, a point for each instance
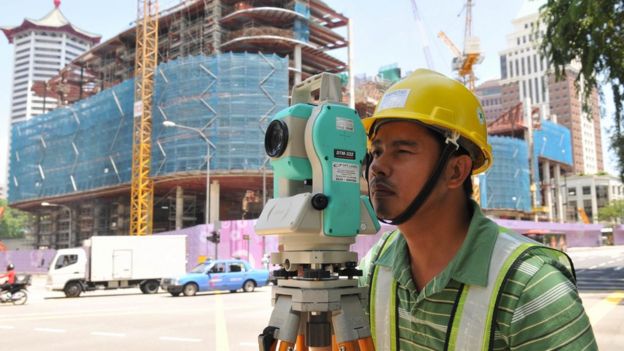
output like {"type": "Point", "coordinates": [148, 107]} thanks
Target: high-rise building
{"type": "Point", "coordinates": [525, 74]}
{"type": "Point", "coordinates": [42, 48]}
{"type": "Point", "coordinates": [490, 93]}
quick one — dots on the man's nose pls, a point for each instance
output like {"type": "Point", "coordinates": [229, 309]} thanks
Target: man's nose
{"type": "Point", "coordinates": [379, 166]}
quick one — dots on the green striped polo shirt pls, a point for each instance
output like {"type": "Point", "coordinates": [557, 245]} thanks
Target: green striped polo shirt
{"type": "Point", "coordinates": [539, 309]}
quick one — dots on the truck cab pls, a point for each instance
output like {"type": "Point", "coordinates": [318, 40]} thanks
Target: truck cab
{"type": "Point", "coordinates": [68, 265]}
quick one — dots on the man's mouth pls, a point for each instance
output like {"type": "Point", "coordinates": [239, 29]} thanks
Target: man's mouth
{"type": "Point", "coordinates": [381, 190]}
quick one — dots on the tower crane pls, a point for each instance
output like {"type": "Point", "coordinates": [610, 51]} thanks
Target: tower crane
{"type": "Point", "coordinates": [146, 56]}
{"type": "Point", "coordinates": [463, 62]}
{"type": "Point", "coordinates": [423, 35]}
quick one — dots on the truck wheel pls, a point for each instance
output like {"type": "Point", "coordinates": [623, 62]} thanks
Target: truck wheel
{"type": "Point", "coordinates": [149, 287]}
{"type": "Point", "coordinates": [190, 289]}
{"type": "Point", "coordinates": [249, 286]}
{"type": "Point", "coordinates": [72, 289]}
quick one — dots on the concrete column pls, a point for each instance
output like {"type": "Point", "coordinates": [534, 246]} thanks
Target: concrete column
{"type": "Point", "coordinates": [547, 189]}
{"type": "Point", "coordinates": [594, 201]}
{"type": "Point", "coordinates": [179, 209]}
{"type": "Point", "coordinates": [215, 207]}
{"type": "Point", "coordinates": [298, 65]}
{"type": "Point", "coordinates": [559, 195]}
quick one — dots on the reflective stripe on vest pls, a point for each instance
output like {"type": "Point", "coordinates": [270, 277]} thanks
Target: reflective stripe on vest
{"type": "Point", "coordinates": [471, 327]}
{"type": "Point", "coordinates": [382, 303]}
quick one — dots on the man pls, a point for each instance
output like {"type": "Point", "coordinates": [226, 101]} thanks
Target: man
{"type": "Point", "coordinates": [10, 277]}
{"type": "Point", "coordinates": [449, 278]}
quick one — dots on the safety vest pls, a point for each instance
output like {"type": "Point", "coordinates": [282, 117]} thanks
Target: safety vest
{"type": "Point", "coordinates": [471, 326]}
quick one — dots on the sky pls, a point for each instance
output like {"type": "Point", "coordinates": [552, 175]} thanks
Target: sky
{"type": "Point", "coordinates": [384, 32]}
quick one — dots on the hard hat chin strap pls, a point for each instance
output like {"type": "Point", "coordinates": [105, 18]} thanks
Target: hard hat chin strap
{"type": "Point", "coordinates": [451, 145]}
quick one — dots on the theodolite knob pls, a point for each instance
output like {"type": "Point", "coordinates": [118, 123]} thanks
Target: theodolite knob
{"type": "Point", "coordinates": [320, 201]}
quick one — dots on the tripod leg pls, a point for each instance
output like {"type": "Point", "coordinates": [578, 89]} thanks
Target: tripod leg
{"type": "Point", "coordinates": [286, 346]}
{"type": "Point", "coordinates": [366, 344]}
{"type": "Point", "coordinates": [344, 346]}
{"type": "Point", "coordinates": [300, 344]}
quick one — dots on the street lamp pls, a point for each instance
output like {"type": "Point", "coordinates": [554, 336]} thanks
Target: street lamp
{"type": "Point", "coordinates": [208, 145]}
{"type": "Point", "coordinates": [47, 204]}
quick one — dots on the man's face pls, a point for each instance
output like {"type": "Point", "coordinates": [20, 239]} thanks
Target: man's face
{"type": "Point", "coordinates": [404, 154]}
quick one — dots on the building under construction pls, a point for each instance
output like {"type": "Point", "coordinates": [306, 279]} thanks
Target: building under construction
{"type": "Point", "coordinates": [225, 67]}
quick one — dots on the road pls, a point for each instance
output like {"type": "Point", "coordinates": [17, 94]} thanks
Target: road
{"type": "Point", "coordinates": [128, 320]}
{"type": "Point", "coordinates": [600, 279]}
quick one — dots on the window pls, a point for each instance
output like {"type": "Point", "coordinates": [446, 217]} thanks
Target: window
{"type": "Point", "coordinates": [587, 206]}
{"type": "Point", "coordinates": [537, 95]}
{"type": "Point", "coordinates": [535, 63]}
{"type": "Point", "coordinates": [218, 268]}
{"type": "Point", "coordinates": [503, 66]}
{"type": "Point", "coordinates": [237, 267]}
{"type": "Point", "coordinates": [522, 62]}
{"type": "Point", "coordinates": [571, 191]}
{"type": "Point", "coordinates": [586, 190]}
{"type": "Point", "coordinates": [65, 260]}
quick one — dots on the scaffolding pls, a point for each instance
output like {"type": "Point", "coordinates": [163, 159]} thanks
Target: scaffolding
{"type": "Point", "coordinates": [88, 145]}
{"type": "Point", "coordinates": [506, 183]}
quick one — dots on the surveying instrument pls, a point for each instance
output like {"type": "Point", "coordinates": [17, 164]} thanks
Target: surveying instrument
{"type": "Point", "coordinates": [317, 152]}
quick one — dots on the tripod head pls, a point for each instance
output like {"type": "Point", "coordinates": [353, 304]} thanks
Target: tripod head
{"type": "Point", "coordinates": [317, 151]}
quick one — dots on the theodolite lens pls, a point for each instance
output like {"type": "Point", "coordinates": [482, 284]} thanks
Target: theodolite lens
{"type": "Point", "coordinates": [276, 138]}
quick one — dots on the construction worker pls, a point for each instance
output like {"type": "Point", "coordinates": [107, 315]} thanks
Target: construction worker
{"type": "Point", "coordinates": [449, 278]}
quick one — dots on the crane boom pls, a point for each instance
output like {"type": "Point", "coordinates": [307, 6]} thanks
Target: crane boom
{"type": "Point", "coordinates": [146, 59]}
{"type": "Point", "coordinates": [446, 40]}
{"type": "Point", "coordinates": [423, 36]}
{"type": "Point", "coordinates": [464, 61]}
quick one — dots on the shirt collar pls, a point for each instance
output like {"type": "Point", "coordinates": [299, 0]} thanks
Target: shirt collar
{"type": "Point", "coordinates": [469, 266]}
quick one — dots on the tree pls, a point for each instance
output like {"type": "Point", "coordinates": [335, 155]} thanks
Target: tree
{"type": "Point", "coordinates": [13, 223]}
{"type": "Point", "coordinates": [591, 32]}
{"type": "Point", "coordinates": [612, 212]}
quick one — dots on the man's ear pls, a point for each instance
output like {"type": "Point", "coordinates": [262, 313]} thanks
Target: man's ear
{"type": "Point", "coordinates": [458, 169]}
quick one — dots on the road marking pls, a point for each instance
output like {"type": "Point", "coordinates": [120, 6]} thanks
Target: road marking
{"type": "Point", "coordinates": [173, 338]}
{"type": "Point", "coordinates": [50, 330]}
{"type": "Point", "coordinates": [593, 267]}
{"type": "Point", "coordinates": [618, 268]}
{"type": "Point", "coordinates": [107, 334]}
{"type": "Point", "coordinates": [7, 327]}
{"type": "Point", "coordinates": [220, 325]}
{"type": "Point", "coordinates": [602, 308]}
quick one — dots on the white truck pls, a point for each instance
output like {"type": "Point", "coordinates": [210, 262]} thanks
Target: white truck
{"type": "Point", "coordinates": [112, 262]}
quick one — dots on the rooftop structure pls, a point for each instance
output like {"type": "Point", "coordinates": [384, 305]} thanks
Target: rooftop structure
{"type": "Point", "coordinates": [42, 47]}
{"type": "Point", "coordinates": [302, 31]}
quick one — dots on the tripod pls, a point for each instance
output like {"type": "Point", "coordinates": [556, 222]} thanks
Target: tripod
{"type": "Point", "coordinates": [317, 311]}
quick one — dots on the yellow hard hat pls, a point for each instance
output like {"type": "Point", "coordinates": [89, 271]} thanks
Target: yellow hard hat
{"type": "Point", "coordinates": [442, 103]}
